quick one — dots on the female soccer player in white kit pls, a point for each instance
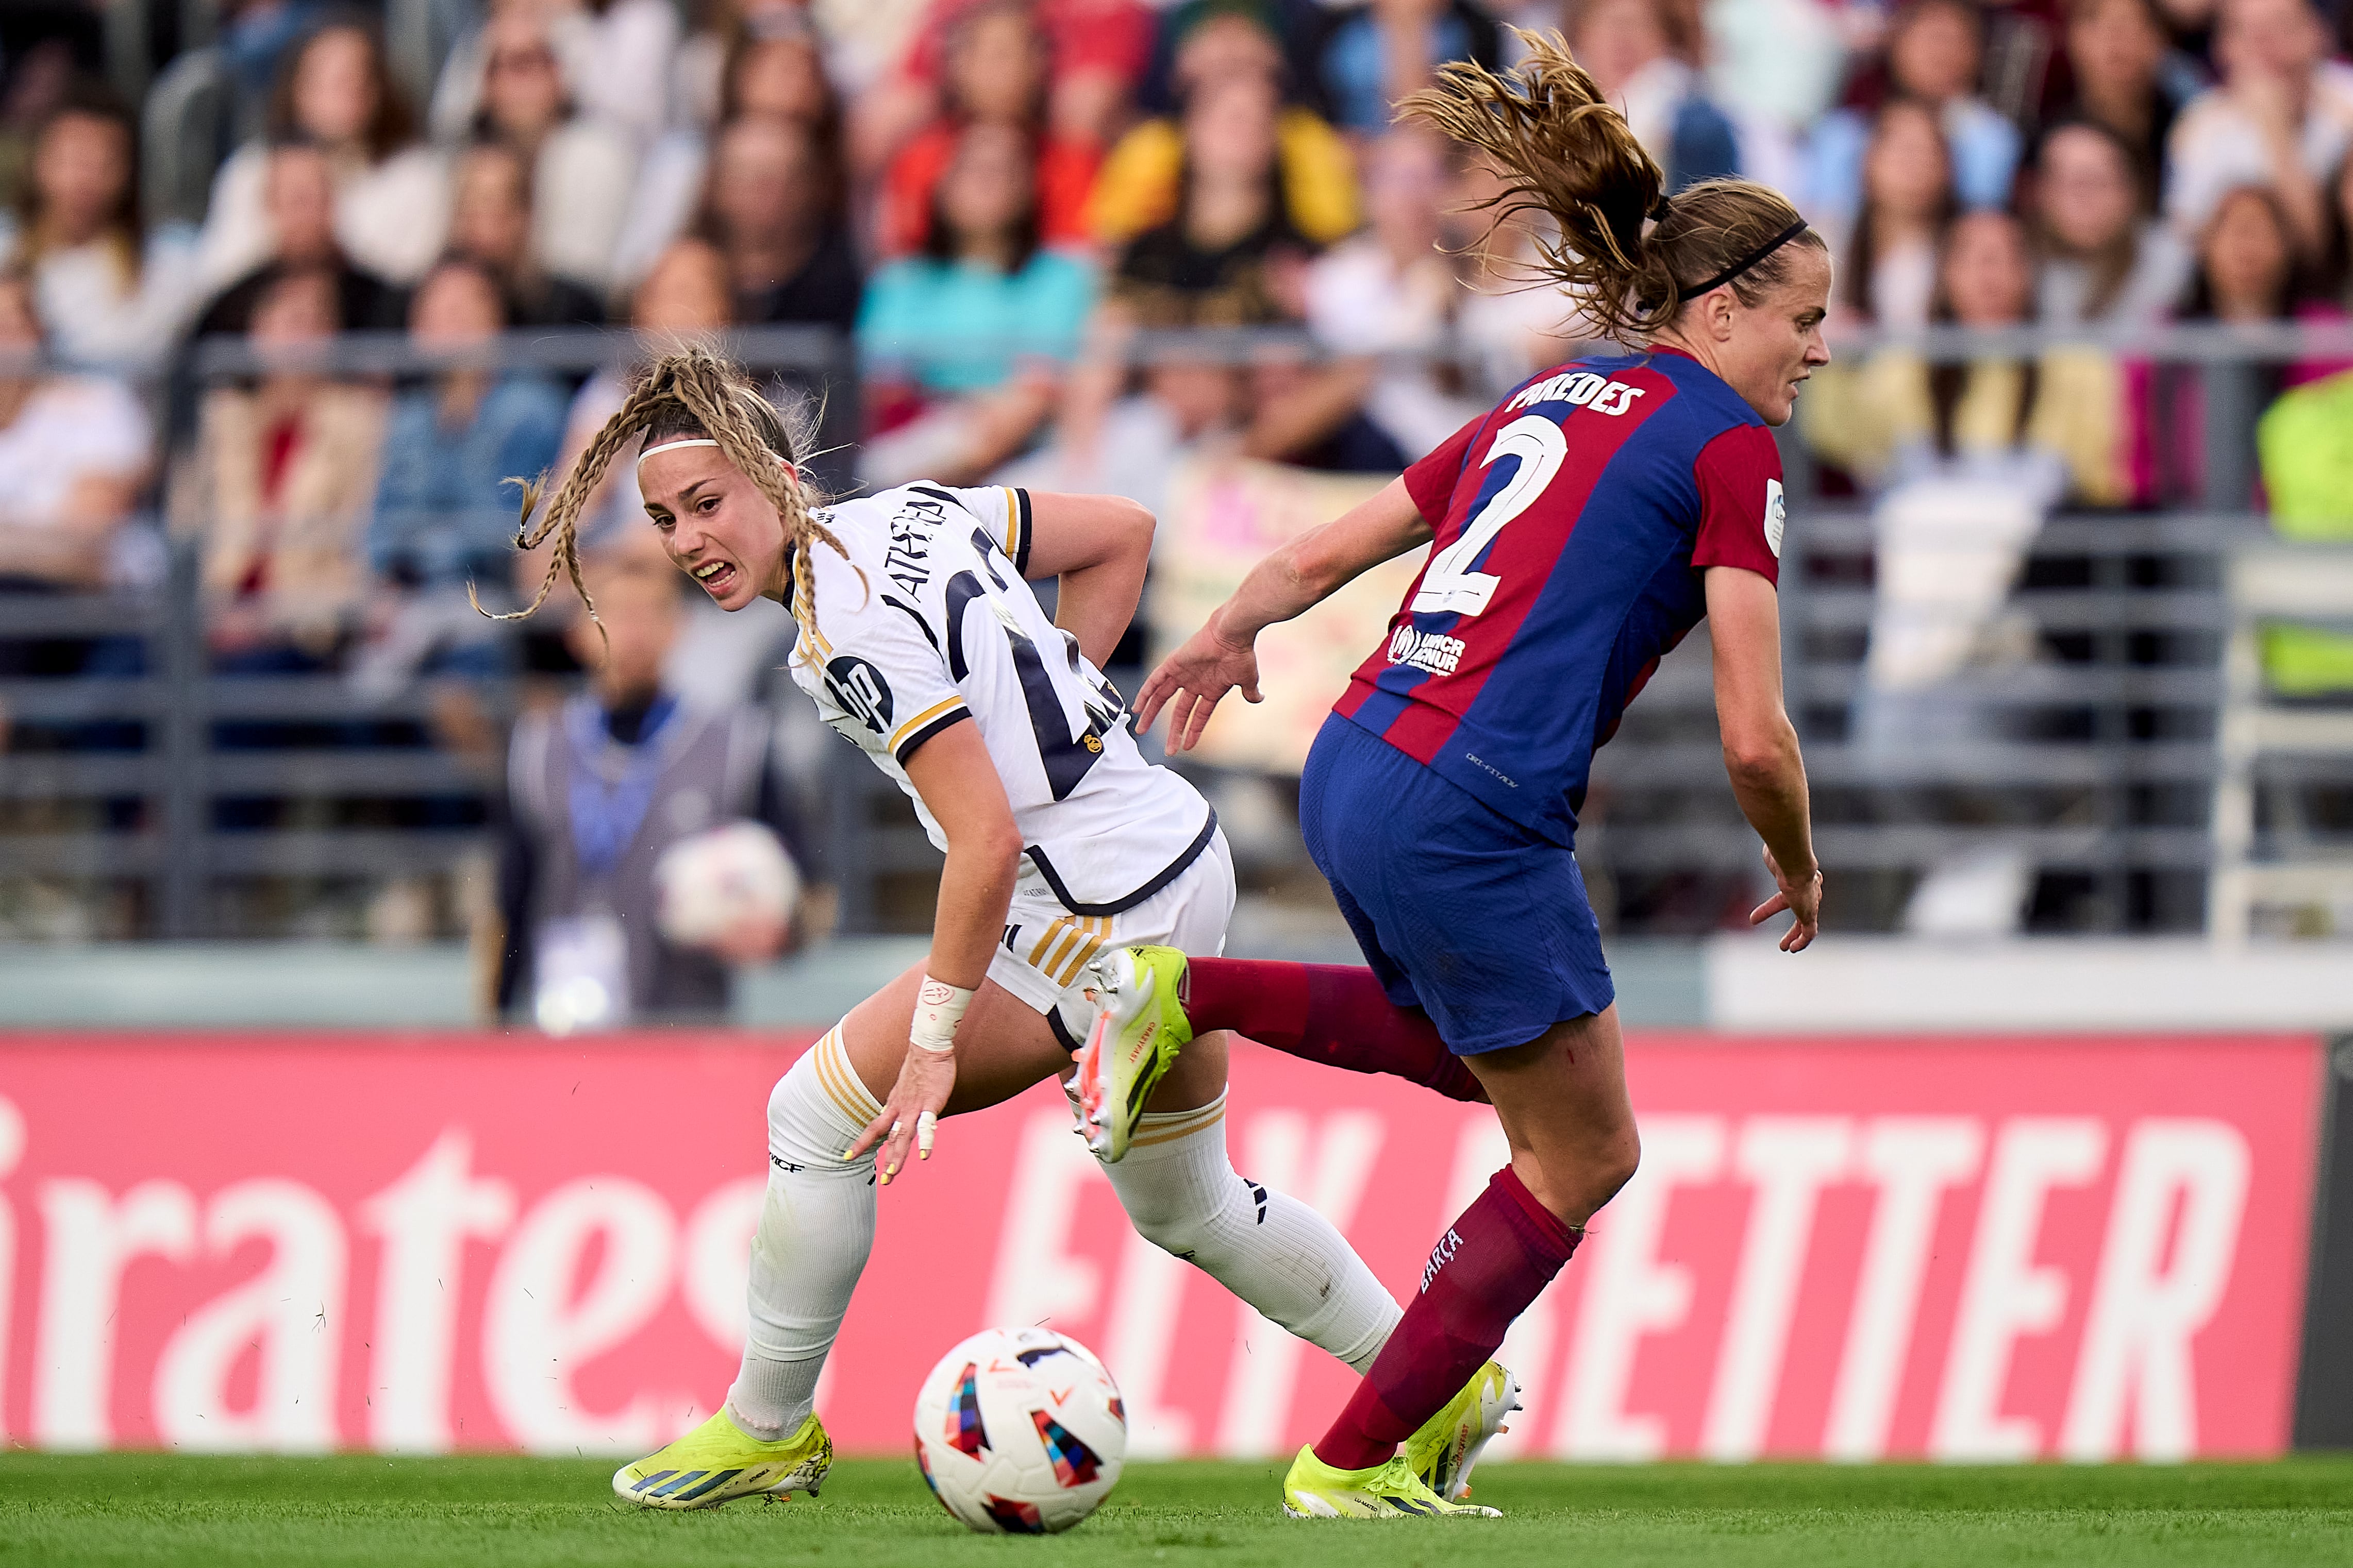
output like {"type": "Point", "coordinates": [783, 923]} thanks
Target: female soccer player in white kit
{"type": "Point", "coordinates": [922, 644]}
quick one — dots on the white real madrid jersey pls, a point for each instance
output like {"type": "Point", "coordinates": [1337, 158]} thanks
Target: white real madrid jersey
{"type": "Point", "coordinates": [929, 624]}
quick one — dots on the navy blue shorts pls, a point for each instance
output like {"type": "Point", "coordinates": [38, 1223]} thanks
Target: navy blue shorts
{"type": "Point", "coordinates": [1482, 923]}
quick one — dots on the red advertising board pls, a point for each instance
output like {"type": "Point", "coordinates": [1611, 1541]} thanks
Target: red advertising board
{"type": "Point", "coordinates": [1968, 1249]}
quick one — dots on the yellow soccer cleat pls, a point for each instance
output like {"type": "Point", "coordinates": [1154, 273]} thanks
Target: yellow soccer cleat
{"type": "Point", "coordinates": [1449, 1442]}
{"type": "Point", "coordinates": [717, 1463]}
{"type": "Point", "coordinates": [1139, 1027]}
{"type": "Point", "coordinates": [1313, 1490]}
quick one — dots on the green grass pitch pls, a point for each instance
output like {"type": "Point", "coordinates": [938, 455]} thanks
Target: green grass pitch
{"type": "Point", "coordinates": [320, 1513]}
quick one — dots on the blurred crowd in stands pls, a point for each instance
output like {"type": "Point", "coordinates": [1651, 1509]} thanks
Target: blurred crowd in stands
{"type": "Point", "coordinates": [988, 194]}
{"type": "Point", "coordinates": [992, 196]}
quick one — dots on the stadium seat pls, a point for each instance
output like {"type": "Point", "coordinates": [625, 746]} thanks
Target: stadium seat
{"type": "Point", "coordinates": [2310, 586]}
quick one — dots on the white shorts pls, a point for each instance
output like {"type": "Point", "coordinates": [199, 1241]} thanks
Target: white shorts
{"type": "Point", "coordinates": [1044, 954]}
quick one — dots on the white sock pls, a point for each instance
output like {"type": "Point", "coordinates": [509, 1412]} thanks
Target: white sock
{"type": "Point", "coordinates": [816, 1228]}
{"type": "Point", "coordinates": [1285, 1259]}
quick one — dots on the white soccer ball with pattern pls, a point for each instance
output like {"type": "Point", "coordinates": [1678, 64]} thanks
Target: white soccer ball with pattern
{"type": "Point", "coordinates": [726, 885]}
{"type": "Point", "coordinates": [1020, 1432]}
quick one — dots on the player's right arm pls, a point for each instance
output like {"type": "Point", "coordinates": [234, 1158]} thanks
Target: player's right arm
{"type": "Point", "coordinates": [1223, 654]}
{"type": "Point", "coordinates": [1099, 547]}
{"type": "Point", "coordinates": [1760, 744]}
{"type": "Point", "coordinates": [957, 779]}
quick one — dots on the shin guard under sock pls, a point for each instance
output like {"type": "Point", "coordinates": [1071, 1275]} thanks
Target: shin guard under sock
{"type": "Point", "coordinates": [1491, 1263]}
{"type": "Point", "coordinates": [816, 1227]}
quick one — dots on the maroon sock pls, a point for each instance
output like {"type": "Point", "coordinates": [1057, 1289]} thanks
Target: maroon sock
{"type": "Point", "coordinates": [1493, 1260]}
{"type": "Point", "coordinates": [1327, 1013]}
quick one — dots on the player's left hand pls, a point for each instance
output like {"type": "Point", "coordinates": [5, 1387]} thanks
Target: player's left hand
{"type": "Point", "coordinates": [1802, 897]}
{"type": "Point", "coordinates": [926, 1078]}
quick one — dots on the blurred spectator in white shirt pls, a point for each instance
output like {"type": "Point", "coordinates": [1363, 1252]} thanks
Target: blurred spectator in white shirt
{"type": "Point", "coordinates": [107, 292]}
{"type": "Point", "coordinates": [1390, 291]}
{"type": "Point", "coordinates": [1935, 50]}
{"type": "Point", "coordinates": [618, 55]}
{"type": "Point", "coordinates": [298, 201]}
{"type": "Point", "coordinates": [75, 451]}
{"type": "Point", "coordinates": [2102, 261]}
{"type": "Point", "coordinates": [2282, 117]}
{"type": "Point", "coordinates": [582, 168]}
{"type": "Point", "coordinates": [1887, 265]}
{"type": "Point", "coordinates": [392, 195]}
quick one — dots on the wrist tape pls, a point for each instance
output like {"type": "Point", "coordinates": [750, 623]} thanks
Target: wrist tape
{"type": "Point", "coordinates": [939, 1008]}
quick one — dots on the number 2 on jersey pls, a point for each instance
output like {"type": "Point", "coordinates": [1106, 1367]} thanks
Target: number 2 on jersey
{"type": "Point", "coordinates": [1450, 585]}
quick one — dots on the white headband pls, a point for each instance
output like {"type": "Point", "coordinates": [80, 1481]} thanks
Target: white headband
{"type": "Point", "coordinates": [668, 445]}
{"type": "Point", "coordinates": [705, 441]}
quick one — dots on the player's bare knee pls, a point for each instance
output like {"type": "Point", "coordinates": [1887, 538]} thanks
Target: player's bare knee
{"type": "Point", "coordinates": [1614, 1164]}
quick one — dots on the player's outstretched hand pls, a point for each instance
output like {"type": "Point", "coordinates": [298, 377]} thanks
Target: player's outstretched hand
{"type": "Point", "coordinates": [1191, 681]}
{"type": "Point", "coordinates": [926, 1078]}
{"type": "Point", "coordinates": [1803, 899]}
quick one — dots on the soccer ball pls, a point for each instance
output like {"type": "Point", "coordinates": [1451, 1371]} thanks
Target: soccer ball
{"type": "Point", "coordinates": [1019, 1432]}
{"type": "Point", "coordinates": [728, 889]}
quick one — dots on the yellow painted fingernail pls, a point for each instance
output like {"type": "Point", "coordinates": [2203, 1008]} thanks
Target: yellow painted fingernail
{"type": "Point", "coordinates": [849, 1153]}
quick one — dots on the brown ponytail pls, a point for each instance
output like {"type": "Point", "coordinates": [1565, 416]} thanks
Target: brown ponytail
{"type": "Point", "coordinates": [692, 392]}
{"type": "Point", "coordinates": [1562, 151]}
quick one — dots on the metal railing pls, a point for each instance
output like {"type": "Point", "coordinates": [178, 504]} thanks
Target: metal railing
{"type": "Point", "coordinates": [149, 768]}
{"type": "Point", "coordinates": [2104, 788]}
{"type": "Point", "coordinates": [159, 771]}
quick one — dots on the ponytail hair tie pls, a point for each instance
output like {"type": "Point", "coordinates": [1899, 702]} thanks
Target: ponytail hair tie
{"type": "Point", "coordinates": [1659, 210]}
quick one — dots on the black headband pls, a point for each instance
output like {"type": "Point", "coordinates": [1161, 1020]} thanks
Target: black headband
{"type": "Point", "coordinates": [1748, 261]}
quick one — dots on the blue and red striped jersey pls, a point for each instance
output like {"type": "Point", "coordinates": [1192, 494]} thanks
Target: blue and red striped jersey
{"type": "Point", "coordinates": [1571, 527]}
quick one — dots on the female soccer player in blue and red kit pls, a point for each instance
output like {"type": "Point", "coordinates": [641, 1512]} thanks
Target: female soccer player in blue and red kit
{"type": "Point", "coordinates": [1580, 531]}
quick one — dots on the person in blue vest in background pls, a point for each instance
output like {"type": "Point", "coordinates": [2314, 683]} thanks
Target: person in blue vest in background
{"type": "Point", "coordinates": [629, 825]}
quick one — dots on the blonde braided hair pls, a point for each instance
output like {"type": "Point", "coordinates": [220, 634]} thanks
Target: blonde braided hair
{"type": "Point", "coordinates": [691, 392]}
